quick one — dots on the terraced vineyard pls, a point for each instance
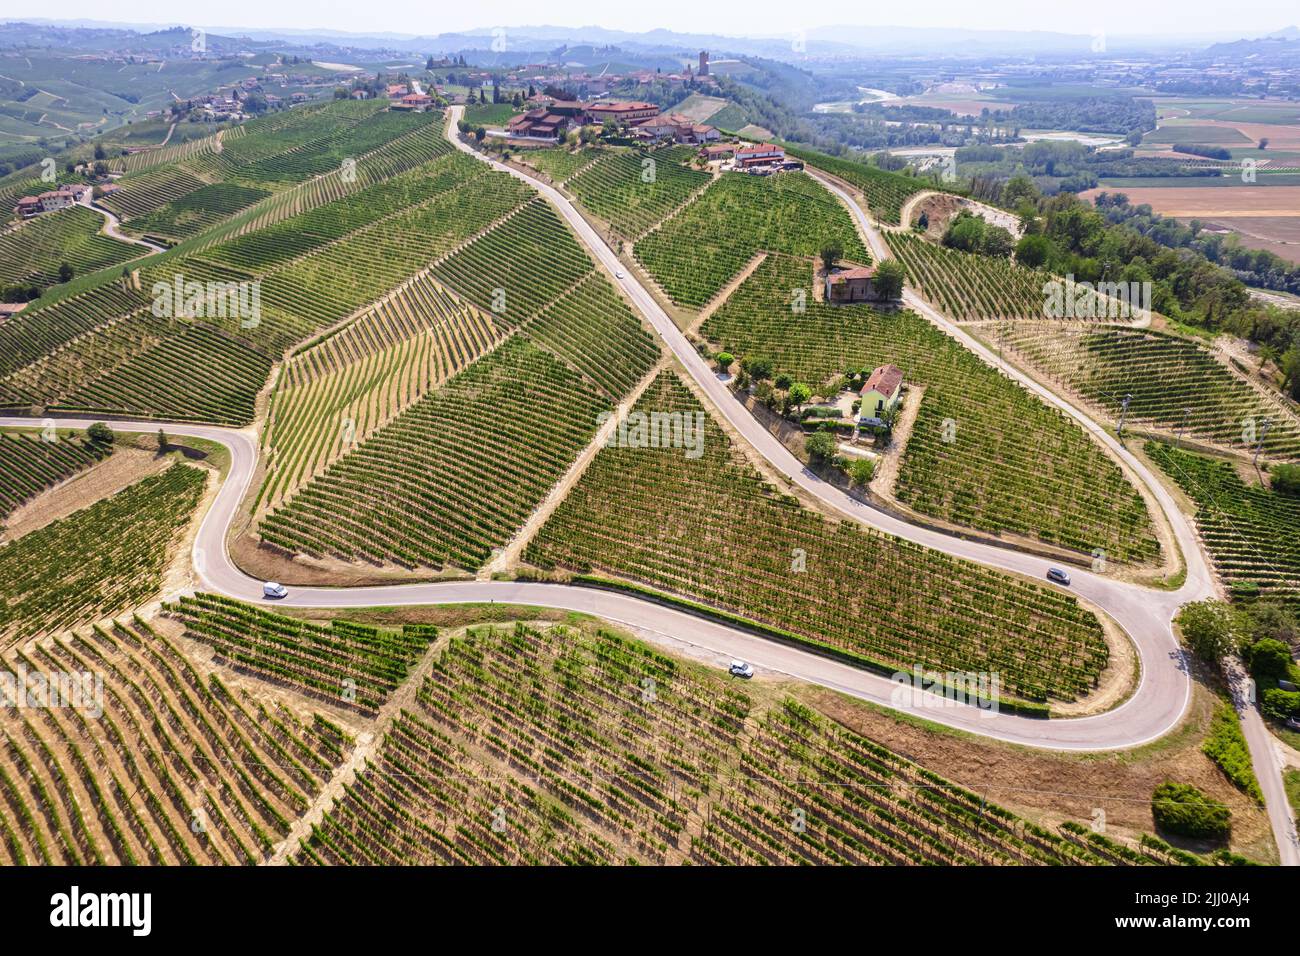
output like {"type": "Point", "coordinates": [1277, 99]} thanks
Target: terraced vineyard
{"type": "Point", "coordinates": [178, 768]}
{"type": "Point", "coordinates": [96, 562]}
{"type": "Point", "coordinates": [454, 475]}
{"type": "Point", "coordinates": [336, 393]}
{"type": "Point", "coordinates": [570, 746]}
{"type": "Point", "coordinates": [29, 464]}
{"type": "Point", "coordinates": [885, 192]}
{"type": "Point", "coordinates": [347, 664]}
{"type": "Point", "coordinates": [634, 190]}
{"type": "Point", "coordinates": [33, 251]}
{"type": "Point", "coordinates": [860, 803]}
{"type": "Point", "coordinates": [1250, 531]}
{"type": "Point", "coordinates": [1175, 383]}
{"type": "Point", "coordinates": [559, 163]}
{"type": "Point", "coordinates": [519, 267]}
{"type": "Point", "coordinates": [197, 211]}
{"type": "Point", "coordinates": [1007, 463]}
{"type": "Point", "coordinates": [592, 329]}
{"type": "Point", "coordinates": [197, 374]}
{"type": "Point", "coordinates": [967, 286]}
{"type": "Point", "coordinates": [143, 193]}
{"type": "Point", "coordinates": [712, 529]}
{"type": "Point", "coordinates": [29, 336]}
{"type": "Point", "coordinates": [313, 270]}
{"type": "Point", "coordinates": [695, 253]}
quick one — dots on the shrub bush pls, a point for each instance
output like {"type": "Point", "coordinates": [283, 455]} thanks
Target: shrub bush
{"type": "Point", "coordinates": [1182, 809]}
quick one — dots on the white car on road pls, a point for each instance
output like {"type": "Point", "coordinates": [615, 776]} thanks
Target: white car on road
{"type": "Point", "coordinates": [741, 669]}
{"type": "Point", "coordinates": [272, 590]}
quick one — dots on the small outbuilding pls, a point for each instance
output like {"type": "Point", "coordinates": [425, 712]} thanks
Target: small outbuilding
{"type": "Point", "coordinates": [880, 394]}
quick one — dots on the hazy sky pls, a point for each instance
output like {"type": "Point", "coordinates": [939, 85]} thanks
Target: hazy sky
{"type": "Point", "coordinates": [1114, 17]}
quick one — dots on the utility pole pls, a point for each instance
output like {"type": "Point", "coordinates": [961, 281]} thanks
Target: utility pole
{"type": "Point", "coordinates": [1183, 427]}
{"type": "Point", "coordinates": [1260, 446]}
{"type": "Point", "coordinates": [1119, 432]}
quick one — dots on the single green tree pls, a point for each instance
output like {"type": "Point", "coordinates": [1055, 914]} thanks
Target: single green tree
{"type": "Point", "coordinates": [724, 360]}
{"type": "Point", "coordinates": [100, 434]}
{"type": "Point", "coordinates": [862, 470]}
{"type": "Point", "coordinates": [889, 280]}
{"type": "Point", "coordinates": [1211, 629]}
{"type": "Point", "coordinates": [820, 446]}
{"type": "Point", "coordinates": [799, 393]}
{"type": "Point", "coordinates": [830, 254]}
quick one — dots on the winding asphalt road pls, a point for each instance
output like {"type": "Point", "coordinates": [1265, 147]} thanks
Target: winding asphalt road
{"type": "Point", "coordinates": [1154, 708]}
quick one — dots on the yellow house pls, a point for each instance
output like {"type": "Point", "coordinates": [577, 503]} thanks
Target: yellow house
{"type": "Point", "coordinates": [880, 394]}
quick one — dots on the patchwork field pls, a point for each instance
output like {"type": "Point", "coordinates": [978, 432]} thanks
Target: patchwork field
{"type": "Point", "coordinates": [1245, 202]}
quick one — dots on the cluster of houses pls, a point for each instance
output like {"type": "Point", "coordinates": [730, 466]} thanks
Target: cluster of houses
{"type": "Point", "coordinates": [61, 198]}
{"type": "Point", "coordinates": [759, 159]}
{"type": "Point", "coordinates": [402, 98]}
{"type": "Point", "coordinates": [596, 84]}
{"type": "Point", "coordinates": [642, 121]}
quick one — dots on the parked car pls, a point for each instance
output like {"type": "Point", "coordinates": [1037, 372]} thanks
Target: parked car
{"type": "Point", "coordinates": [618, 274]}
{"type": "Point", "coordinates": [741, 669]}
{"type": "Point", "coordinates": [1059, 576]}
{"type": "Point", "coordinates": [273, 590]}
